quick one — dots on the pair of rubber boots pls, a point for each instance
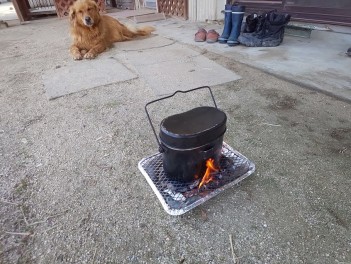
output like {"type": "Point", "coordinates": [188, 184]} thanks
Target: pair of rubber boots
{"type": "Point", "coordinates": [266, 30]}
{"type": "Point", "coordinates": [233, 18]}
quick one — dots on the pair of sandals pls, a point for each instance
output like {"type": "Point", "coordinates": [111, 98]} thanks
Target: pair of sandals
{"type": "Point", "coordinates": [210, 36]}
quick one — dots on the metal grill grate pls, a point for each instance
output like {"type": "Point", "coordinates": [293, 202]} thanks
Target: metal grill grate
{"type": "Point", "coordinates": [178, 198]}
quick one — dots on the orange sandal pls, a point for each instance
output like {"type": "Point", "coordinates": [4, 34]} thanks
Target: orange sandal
{"type": "Point", "coordinates": [212, 36]}
{"type": "Point", "coordinates": [200, 36]}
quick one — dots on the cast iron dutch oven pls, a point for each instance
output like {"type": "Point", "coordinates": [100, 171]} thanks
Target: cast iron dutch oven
{"type": "Point", "coordinates": [188, 139]}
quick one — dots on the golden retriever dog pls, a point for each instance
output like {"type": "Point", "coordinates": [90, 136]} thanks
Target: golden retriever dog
{"type": "Point", "coordinates": [93, 33]}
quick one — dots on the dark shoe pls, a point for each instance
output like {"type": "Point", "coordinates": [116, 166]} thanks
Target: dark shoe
{"type": "Point", "coordinates": [251, 23]}
{"type": "Point", "coordinates": [212, 36]}
{"type": "Point", "coordinates": [200, 36]}
{"type": "Point", "coordinates": [270, 33]}
{"type": "Point", "coordinates": [254, 39]}
{"type": "Point", "coordinates": [348, 52]}
{"type": "Point", "coordinates": [275, 30]}
{"type": "Point", "coordinates": [227, 24]}
{"type": "Point", "coordinates": [237, 19]}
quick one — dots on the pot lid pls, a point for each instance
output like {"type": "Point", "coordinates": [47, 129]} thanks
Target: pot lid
{"type": "Point", "coordinates": [194, 128]}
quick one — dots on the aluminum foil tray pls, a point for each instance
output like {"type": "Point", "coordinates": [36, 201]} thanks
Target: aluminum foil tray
{"type": "Point", "coordinates": [178, 198]}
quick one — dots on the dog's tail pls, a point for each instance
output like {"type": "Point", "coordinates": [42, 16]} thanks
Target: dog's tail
{"type": "Point", "coordinates": [145, 30]}
{"type": "Point", "coordinates": [132, 31]}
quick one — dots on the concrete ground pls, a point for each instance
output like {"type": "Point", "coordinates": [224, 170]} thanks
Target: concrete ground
{"type": "Point", "coordinates": [71, 191]}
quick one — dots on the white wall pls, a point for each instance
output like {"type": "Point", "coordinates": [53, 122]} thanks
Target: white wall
{"type": "Point", "coordinates": [220, 7]}
{"type": "Point", "coordinates": [202, 10]}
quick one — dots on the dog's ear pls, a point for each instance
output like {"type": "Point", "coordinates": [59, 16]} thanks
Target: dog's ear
{"type": "Point", "coordinates": [96, 6]}
{"type": "Point", "coordinates": [72, 13]}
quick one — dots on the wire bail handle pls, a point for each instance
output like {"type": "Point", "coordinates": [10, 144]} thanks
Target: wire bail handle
{"type": "Point", "coordinates": [160, 148]}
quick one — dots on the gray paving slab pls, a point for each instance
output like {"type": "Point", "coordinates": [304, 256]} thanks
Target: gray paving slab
{"type": "Point", "coordinates": [140, 44]}
{"type": "Point", "coordinates": [176, 67]}
{"type": "Point", "coordinates": [82, 75]}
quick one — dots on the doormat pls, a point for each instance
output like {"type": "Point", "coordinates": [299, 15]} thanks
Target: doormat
{"type": "Point", "coordinates": [83, 75]}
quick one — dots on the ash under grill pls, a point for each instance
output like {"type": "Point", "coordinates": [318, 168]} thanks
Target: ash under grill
{"type": "Point", "coordinates": [177, 198]}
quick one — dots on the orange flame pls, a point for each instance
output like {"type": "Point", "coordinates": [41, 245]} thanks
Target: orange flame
{"type": "Point", "coordinates": [210, 167]}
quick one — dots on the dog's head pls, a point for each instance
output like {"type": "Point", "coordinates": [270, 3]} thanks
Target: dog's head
{"type": "Point", "coordinates": [85, 13]}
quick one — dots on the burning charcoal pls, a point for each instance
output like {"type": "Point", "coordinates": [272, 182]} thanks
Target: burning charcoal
{"type": "Point", "coordinates": [241, 170]}
{"type": "Point", "coordinates": [176, 196]}
{"type": "Point", "coordinates": [194, 184]}
{"type": "Point", "coordinates": [191, 193]}
{"type": "Point", "coordinates": [181, 188]}
{"type": "Point", "coordinates": [204, 192]}
{"type": "Point", "coordinates": [214, 184]}
{"type": "Point", "coordinates": [211, 186]}
{"type": "Point", "coordinates": [219, 175]}
{"type": "Point", "coordinates": [192, 200]}
{"type": "Point", "coordinates": [174, 204]}
{"type": "Point", "coordinates": [210, 174]}
{"type": "Point", "coordinates": [233, 167]}
{"type": "Point", "coordinates": [164, 185]}
{"type": "Point", "coordinates": [226, 163]}
{"type": "Point", "coordinates": [170, 186]}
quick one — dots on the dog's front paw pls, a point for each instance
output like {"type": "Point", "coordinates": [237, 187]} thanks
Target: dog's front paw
{"type": "Point", "coordinates": [89, 55]}
{"type": "Point", "coordinates": [77, 56]}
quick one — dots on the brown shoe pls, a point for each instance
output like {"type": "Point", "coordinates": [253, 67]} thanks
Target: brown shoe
{"type": "Point", "coordinates": [200, 36]}
{"type": "Point", "coordinates": [212, 36]}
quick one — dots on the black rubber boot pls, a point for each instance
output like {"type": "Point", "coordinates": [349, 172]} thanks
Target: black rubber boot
{"type": "Point", "coordinates": [251, 23]}
{"type": "Point", "coordinates": [254, 39]}
{"type": "Point", "coordinates": [275, 29]}
{"type": "Point", "coordinates": [237, 19]}
{"type": "Point", "coordinates": [227, 24]}
{"type": "Point", "coordinates": [269, 31]}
